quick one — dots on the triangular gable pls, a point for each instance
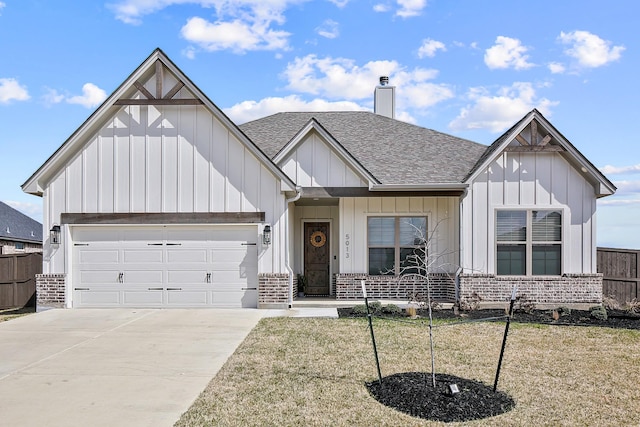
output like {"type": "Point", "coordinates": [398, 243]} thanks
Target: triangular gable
{"type": "Point", "coordinates": [534, 133]}
{"type": "Point", "coordinates": [145, 86]}
{"type": "Point", "coordinates": [334, 146]}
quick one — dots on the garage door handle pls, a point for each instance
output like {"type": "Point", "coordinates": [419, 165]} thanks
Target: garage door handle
{"type": "Point", "coordinates": [81, 289]}
{"type": "Point", "coordinates": [249, 289]}
{"type": "Point", "coordinates": [121, 277]}
{"type": "Point", "coordinates": [154, 244]}
{"type": "Point", "coordinates": [208, 277]}
{"type": "Point", "coordinates": [174, 289]}
{"type": "Point", "coordinates": [155, 289]}
{"type": "Point", "coordinates": [174, 244]}
{"type": "Point", "coordinates": [248, 244]}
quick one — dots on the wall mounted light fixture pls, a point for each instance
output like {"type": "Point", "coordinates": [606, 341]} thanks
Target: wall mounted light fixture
{"type": "Point", "coordinates": [266, 235]}
{"type": "Point", "coordinates": [55, 235]}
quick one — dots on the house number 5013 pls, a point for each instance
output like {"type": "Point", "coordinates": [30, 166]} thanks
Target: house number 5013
{"type": "Point", "coordinates": [347, 243]}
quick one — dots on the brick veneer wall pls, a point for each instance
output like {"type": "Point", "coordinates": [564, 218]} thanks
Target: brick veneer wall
{"type": "Point", "coordinates": [273, 290]}
{"type": "Point", "coordinates": [568, 288]}
{"type": "Point", "coordinates": [50, 289]}
{"type": "Point", "coordinates": [348, 287]}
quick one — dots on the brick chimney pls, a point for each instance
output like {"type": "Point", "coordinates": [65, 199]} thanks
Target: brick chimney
{"type": "Point", "coordinates": [384, 99]}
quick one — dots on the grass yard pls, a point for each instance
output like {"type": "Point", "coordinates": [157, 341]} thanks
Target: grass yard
{"type": "Point", "coordinates": [12, 313]}
{"type": "Point", "coordinates": [312, 372]}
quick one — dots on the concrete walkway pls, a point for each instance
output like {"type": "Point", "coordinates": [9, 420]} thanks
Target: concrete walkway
{"type": "Point", "coordinates": [115, 367]}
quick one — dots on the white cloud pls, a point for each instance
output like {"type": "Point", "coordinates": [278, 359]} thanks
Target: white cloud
{"type": "Point", "coordinates": [556, 68]}
{"type": "Point", "coordinates": [237, 35]}
{"type": "Point", "coordinates": [2, 6]}
{"type": "Point", "coordinates": [92, 96]}
{"type": "Point", "coordinates": [409, 8]}
{"type": "Point", "coordinates": [250, 110]}
{"type": "Point", "coordinates": [507, 53]}
{"type": "Point", "coordinates": [340, 3]}
{"type": "Point", "coordinates": [429, 48]}
{"type": "Point", "coordinates": [33, 210]}
{"type": "Point", "coordinates": [328, 29]}
{"type": "Point", "coordinates": [497, 112]}
{"type": "Point", "coordinates": [618, 170]}
{"type": "Point", "coordinates": [11, 90]}
{"type": "Point", "coordinates": [341, 78]}
{"type": "Point", "coordinates": [590, 50]}
{"type": "Point", "coordinates": [627, 187]}
{"type": "Point", "coordinates": [51, 97]}
{"type": "Point", "coordinates": [618, 202]}
{"type": "Point", "coordinates": [380, 7]}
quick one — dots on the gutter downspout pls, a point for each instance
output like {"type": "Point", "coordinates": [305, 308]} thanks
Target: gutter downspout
{"type": "Point", "coordinates": [286, 240]}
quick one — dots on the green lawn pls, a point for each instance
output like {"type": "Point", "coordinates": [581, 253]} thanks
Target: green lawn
{"type": "Point", "coordinates": [311, 372]}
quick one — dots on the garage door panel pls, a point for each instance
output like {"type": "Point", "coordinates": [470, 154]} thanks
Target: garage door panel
{"type": "Point", "coordinates": [186, 256]}
{"type": "Point", "coordinates": [104, 256]}
{"type": "Point", "coordinates": [142, 277]}
{"type": "Point", "coordinates": [244, 299]}
{"type": "Point", "coordinates": [142, 297]}
{"type": "Point", "coordinates": [103, 298]}
{"type": "Point", "coordinates": [148, 256]}
{"type": "Point", "coordinates": [95, 276]}
{"type": "Point", "coordinates": [187, 298]}
{"type": "Point", "coordinates": [176, 277]}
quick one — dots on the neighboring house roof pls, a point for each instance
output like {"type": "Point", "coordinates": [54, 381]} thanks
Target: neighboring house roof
{"type": "Point", "coordinates": [38, 181]}
{"type": "Point", "coordinates": [394, 152]}
{"type": "Point", "coordinates": [16, 226]}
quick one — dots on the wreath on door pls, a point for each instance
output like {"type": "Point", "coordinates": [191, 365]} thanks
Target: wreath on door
{"type": "Point", "coordinates": [318, 239]}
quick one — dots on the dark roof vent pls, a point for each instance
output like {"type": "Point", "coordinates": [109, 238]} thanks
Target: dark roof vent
{"type": "Point", "coordinates": [384, 80]}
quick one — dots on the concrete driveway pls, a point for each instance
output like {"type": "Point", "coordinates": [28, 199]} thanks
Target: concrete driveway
{"type": "Point", "coordinates": [113, 367]}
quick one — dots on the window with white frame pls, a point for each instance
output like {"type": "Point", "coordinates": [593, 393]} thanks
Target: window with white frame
{"type": "Point", "coordinates": [394, 243]}
{"type": "Point", "coordinates": [529, 242]}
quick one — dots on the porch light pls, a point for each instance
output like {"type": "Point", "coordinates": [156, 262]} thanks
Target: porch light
{"type": "Point", "coordinates": [266, 235]}
{"type": "Point", "coordinates": [55, 235]}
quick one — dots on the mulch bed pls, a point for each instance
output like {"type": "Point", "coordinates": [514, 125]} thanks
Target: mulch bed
{"type": "Point", "coordinates": [615, 318]}
{"type": "Point", "coordinates": [413, 392]}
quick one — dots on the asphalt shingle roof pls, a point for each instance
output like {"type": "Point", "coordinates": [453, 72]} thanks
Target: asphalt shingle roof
{"type": "Point", "coordinates": [393, 151]}
{"type": "Point", "coordinates": [16, 226]}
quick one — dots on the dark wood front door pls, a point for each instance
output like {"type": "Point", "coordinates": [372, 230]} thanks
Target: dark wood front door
{"type": "Point", "coordinates": [316, 257]}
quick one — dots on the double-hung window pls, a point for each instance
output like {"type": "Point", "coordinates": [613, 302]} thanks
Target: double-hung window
{"type": "Point", "coordinates": [395, 243]}
{"type": "Point", "coordinates": [529, 242]}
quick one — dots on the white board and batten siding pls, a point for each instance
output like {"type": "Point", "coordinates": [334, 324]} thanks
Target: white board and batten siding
{"type": "Point", "coordinates": [442, 215]}
{"type": "Point", "coordinates": [529, 181]}
{"type": "Point", "coordinates": [314, 163]}
{"type": "Point", "coordinates": [168, 159]}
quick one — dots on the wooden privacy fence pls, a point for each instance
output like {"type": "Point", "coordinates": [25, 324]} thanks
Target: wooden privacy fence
{"type": "Point", "coordinates": [619, 268]}
{"type": "Point", "coordinates": [18, 279]}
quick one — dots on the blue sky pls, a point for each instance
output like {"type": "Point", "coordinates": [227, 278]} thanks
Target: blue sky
{"type": "Point", "coordinates": [469, 68]}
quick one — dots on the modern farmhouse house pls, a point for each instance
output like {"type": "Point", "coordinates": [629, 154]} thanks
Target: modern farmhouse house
{"type": "Point", "coordinates": [160, 200]}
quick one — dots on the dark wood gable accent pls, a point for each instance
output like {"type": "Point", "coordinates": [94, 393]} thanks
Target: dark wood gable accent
{"type": "Point", "coordinates": [163, 218]}
{"type": "Point", "coordinates": [534, 143]}
{"type": "Point", "coordinates": [159, 98]}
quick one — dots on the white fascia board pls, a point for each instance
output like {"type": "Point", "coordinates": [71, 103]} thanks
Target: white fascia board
{"type": "Point", "coordinates": [498, 151]}
{"type": "Point", "coordinates": [420, 187]}
{"type": "Point", "coordinates": [335, 146]}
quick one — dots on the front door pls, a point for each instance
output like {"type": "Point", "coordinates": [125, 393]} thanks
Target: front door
{"type": "Point", "coordinates": [316, 258]}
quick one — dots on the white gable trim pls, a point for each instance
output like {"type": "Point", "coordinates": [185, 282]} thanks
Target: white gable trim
{"type": "Point", "coordinates": [602, 185]}
{"type": "Point", "coordinates": [344, 155]}
{"type": "Point", "coordinates": [37, 182]}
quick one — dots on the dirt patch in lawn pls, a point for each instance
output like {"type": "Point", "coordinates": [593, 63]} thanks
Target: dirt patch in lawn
{"type": "Point", "coordinates": [12, 313]}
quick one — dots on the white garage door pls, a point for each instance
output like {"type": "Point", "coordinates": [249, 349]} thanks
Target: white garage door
{"type": "Point", "coordinates": [165, 266]}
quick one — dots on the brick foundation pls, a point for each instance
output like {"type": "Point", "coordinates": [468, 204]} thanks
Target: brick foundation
{"type": "Point", "coordinates": [392, 287]}
{"type": "Point", "coordinates": [273, 290]}
{"type": "Point", "coordinates": [565, 289]}
{"type": "Point", "coordinates": [50, 290]}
